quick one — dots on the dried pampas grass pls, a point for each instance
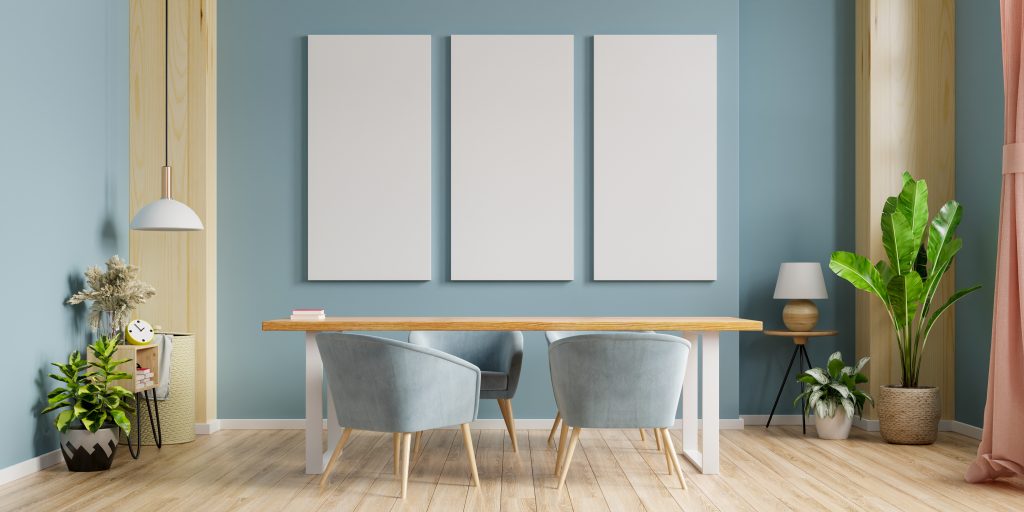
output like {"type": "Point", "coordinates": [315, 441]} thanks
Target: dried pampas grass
{"type": "Point", "coordinates": [117, 291]}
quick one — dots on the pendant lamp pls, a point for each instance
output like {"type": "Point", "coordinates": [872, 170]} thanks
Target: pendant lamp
{"type": "Point", "coordinates": [166, 214]}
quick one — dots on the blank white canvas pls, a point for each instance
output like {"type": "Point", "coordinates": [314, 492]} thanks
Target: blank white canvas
{"type": "Point", "coordinates": [369, 157]}
{"type": "Point", "coordinates": [655, 158]}
{"type": "Point", "coordinates": [512, 157]}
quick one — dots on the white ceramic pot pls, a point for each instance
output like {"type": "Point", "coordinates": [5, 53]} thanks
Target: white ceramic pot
{"type": "Point", "coordinates": [836, 427]}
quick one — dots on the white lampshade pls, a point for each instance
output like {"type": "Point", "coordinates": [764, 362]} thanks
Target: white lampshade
{"type": "Point", "coordinates": [166, 214]}
{"type": "Point", "coordinates": [800, 281]}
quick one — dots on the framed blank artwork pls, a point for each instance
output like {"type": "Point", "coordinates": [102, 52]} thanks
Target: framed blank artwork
{"type": "Point", "coordinates": [655, 157]}
{"type": "Point", "coordinates": [512, 157]}
{"type": "Point", "coordinates": [369, 157]}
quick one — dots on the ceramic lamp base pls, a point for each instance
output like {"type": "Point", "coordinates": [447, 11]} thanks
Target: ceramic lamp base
{"type": "Point", "coordinates": [800, 315]}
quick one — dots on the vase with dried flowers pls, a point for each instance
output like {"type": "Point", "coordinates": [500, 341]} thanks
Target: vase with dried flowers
{"type": "Point", "coordinates": [114, 294]}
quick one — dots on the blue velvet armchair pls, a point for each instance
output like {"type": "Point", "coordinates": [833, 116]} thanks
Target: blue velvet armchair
{"type": "Point", "coordinates": [498, 354]}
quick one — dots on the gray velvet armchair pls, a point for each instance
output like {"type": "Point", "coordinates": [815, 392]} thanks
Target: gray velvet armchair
{"type": "Point", "coordinates": [553, 336]}
{"type": "Point", "coordinates": [384, 385]}
{"type": "Point", "coordinates": [498, 354]}
{"type": "Point", "coordinates": [618, 380]}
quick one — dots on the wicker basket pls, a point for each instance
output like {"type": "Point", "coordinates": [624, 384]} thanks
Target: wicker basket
{"type": "Point", "coordinates": [178, 412]}
{"type": "Point", "coordinates": [908, 415]}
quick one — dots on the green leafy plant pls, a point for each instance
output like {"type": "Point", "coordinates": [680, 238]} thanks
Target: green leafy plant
{"type": "Point", "coordinates": [88, 395]}
{"type": "Point", "coordinates": [907, 284]}
{"type": "Point", "coordinates": [829, 388]}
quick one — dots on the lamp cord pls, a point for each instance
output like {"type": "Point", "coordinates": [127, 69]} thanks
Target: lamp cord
{"type": "Point", "coordinates": [167, 73]}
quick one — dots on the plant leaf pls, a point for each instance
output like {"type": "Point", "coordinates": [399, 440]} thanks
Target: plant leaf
{"type": "Point", "coordinates": [913, 204]}
{"type": "Point", "coordinates": [941, 244]}
{"type": "Point", "coordinates": [835, 367]}
{"type": "Point", "coordinates": [859, 272]}
{"type": "Point", "coordinates": [121, 419]}
{"type": "Point", "coordinates": [904, 296]}
{"type": "Point", "coordinates": [898, 241]}
{"type": "Point", "coordinates": [63, 419]}
{"type": "Point", "coordinates": [949, 302]}
{"type": "Point", "coordinates": [818, 374]}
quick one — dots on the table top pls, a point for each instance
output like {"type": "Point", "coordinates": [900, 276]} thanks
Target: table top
{"type": "Point", "coordinates": [513, 323]}
{"type": "Point", "coordinates": [799, 334]}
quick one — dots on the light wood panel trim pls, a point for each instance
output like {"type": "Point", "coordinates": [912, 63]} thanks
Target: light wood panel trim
{"type": "Point", "coordinates": [370, 323]}
{"type": "Point", "coordinates": [182, 266]}
{"type": "Point", "coordinates": [905, 120]}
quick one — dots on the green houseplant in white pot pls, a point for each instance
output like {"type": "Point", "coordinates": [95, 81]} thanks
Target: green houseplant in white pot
{"type": "Point", "coordinates": [908, 413]}
{"type": "Point", "coordinates": [832, 394]}
{"type": "Point", "coordinates": [91, 407]}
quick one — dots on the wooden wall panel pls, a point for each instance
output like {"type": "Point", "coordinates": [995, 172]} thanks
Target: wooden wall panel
{"type": "Point", "coordinates": [182, 266]}
{"type": "Point", "coordinates": [904, 121]}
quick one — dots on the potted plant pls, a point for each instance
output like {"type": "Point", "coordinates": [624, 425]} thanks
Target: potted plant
{"type": "Point", "coordinates": [91, 407]}
{"type": "Point", "coordinates": [908, 413]}
{"type": "Point", "coordinates": [833, 395]}
{"type": "Point", "coordinates": [114, 293]}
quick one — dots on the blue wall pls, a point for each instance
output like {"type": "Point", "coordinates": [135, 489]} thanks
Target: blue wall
{"type": "Point", "coordinates": [796, 177]}
{"type": "Point", "coordinates": [64, 199]}
{"type": "Point", "coordinates": [262, 196]}
{"type": "Point", "coordinates": [979, 141]}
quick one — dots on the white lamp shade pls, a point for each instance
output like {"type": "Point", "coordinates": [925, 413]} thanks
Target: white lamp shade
{"type": "Point", "coordinates": [166, 215]}
{"type": "Point", "coordinates": [800, 281]}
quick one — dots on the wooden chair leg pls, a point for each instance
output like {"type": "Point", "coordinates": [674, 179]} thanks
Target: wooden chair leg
{"type": "Point", "coordinates": [396, 441]}
{"type": "Point", "coordinates": [563, 437]}
{"type": "Point", "coordinates": [675, 457]}
{"type": "Point", "coordinates": [568, 456]}
{"type": "Point", "coordinates": [643, 436]}
{"type": "Point", "coordinates": [467, 438]}
{"type": "Point", "coordinates": [406, 448]}
{"type": "Point", "coordinates": [554, 426]}
{"type": "Point", "coordinates": [657, 440]}
{"type": "Point", "coordinates": [510, 422]}
{"type": "Point", "coordinates": [668, 461]}
{"type": "Point", "coordinates": [334, 456]}
{"type": "Point", "coordinates": [417, 444]}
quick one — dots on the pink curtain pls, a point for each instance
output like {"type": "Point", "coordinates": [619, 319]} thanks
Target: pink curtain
{"type": "Point", "coordinates": [1001, 452]}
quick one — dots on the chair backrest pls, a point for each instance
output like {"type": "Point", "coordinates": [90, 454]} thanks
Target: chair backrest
{"type": "Point", "coordinates": [489, 350]}
{"type": "Point", "coordinates": [554, 336]}
{"type": "Point", "coordinates": [618, 380]}
{"type": "Point", "coordinates": [385, 385]}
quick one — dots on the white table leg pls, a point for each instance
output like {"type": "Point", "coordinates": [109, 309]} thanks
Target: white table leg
{"type": "Point", "coordinates": [689, 395]}
{"type": "Point", "coordinates": [314, 407]}
{"type": "Point", "coordinates": [709, 403]}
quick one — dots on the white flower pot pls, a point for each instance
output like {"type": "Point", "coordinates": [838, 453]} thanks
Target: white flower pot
{"type": "Point", "coordinates": [836, 427]}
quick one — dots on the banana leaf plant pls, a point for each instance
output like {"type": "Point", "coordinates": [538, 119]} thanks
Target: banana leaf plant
{"type": "Point", "coordinates": [907, 283]}
{"type": "Point", "coordinates": [88, 396]}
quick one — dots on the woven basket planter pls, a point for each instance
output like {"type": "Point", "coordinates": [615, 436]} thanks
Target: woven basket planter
{"type": "Point", "coordinates": [908, 415]}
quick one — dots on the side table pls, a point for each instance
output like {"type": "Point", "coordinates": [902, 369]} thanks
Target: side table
{"type": "Point", "coordinates": [799, 352]}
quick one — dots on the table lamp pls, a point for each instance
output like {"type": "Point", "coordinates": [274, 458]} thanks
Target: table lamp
{"type": "Point", "coordinates": [800, 282]}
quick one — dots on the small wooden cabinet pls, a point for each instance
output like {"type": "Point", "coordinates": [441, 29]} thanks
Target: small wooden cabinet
{"type": "Point", "coordinates": [146, 356]}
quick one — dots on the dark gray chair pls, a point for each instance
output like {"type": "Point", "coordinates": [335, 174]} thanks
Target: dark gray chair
{"type": "Point", "coordinates": [553, 336]}
{"type": "Point", "coordinates": [498, 354]}
{"type": "Point", "coordinates": [618, 380]}
{"type": "Point", "coordinates": [383, 385]}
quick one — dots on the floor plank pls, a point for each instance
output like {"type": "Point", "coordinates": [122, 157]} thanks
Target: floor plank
{"type": "Point", "coordinates": [777, 469]}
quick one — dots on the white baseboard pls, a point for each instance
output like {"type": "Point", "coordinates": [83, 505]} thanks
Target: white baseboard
{"type": "Point", "coordinates": [21, 469]}
{"type": "Point", "coordinates": [485, 424]}
{"type": "Point", "coordinates": [964, 429]}
{"type": "Point", "coordinates": [760, 420]}
{"type": "Point", "coordinates": [205, 429]}
{"type": "Point", "coordinates": [861, 423]}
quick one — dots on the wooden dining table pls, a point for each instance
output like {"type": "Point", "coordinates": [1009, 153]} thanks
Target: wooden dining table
{"type": "Point", "coordinates": [703, 332]}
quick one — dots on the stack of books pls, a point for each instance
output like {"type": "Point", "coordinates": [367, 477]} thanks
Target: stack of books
{"type": "Point", "coordinates": [143, 378]}
{"type": "Point", "coordinates": [308, 314]}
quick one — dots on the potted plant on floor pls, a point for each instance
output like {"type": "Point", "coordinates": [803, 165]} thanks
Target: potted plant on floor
{"type": "Point", "coordinates": [908, 413]}
{"type": "Point", "coordinates": [91, 407]}
{"type": "Point", "coordinates": [833, 396]}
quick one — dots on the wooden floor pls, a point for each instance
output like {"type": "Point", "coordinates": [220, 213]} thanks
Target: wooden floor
{"type": "Point", "coordinates": [776, 469]}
